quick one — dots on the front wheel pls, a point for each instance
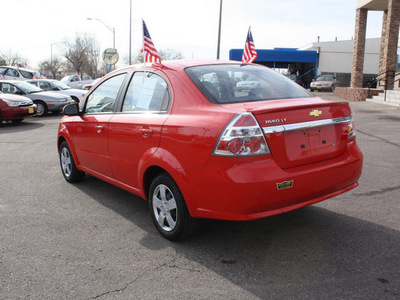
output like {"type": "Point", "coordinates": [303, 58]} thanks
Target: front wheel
{"type": "Point", "coordinates": [168, 209]}
{"type": "Point", "coordinates": [67, 163]}
{"type": "Point", "coordinates": [41, 108]}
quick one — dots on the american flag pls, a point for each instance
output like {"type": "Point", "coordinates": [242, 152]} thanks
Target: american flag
{"type": "Point", "coordinates": [249, 52]}
{"type": "Point", "coordinates": [150, 53]}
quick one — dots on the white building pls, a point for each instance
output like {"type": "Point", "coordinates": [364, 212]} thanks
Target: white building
{"type": "Point", "coordinates": [337, 56]}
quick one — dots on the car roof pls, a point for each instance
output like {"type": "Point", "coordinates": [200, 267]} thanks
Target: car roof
{"type": "Point", "coordinates": [10, 81]}
{"type": "Point", "coordinates": [19, 68]}
{"type": "Point", "coordinates": [41, 80]}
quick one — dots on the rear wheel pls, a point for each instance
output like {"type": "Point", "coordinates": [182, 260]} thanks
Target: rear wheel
{"type": "Point", "coordinates": [41, 108]}
{"type": "Point", "coordinates": [67, 163]}
{"type": "Point", "coordinates": [168, 209]}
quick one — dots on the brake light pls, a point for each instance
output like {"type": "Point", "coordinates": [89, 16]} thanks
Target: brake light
{"type": "Point", "coordinates": [242, 137]}
{"type": "Point", "coordinates": [350, 130]}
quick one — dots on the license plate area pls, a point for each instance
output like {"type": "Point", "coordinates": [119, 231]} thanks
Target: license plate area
{"type": "Point", "coordinates": [312, 143]}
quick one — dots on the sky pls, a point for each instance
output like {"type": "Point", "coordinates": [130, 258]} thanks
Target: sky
{"type": "Point", "coordinates": [32, 28]}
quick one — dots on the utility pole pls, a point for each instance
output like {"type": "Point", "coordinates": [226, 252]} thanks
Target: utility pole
{"type": "Point", "coordinates": [219, 29]}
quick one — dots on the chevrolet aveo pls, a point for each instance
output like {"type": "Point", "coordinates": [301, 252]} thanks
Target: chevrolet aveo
{"type": "Point", "coordinates": [182, 136]}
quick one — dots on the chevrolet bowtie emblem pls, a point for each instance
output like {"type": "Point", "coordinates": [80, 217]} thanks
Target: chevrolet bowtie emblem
{"type": "Point", "coordinates": [315, 113]}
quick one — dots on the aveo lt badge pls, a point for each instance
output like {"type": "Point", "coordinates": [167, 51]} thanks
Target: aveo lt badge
{"type": "Point", "coordinates": [285, 185]}
{"type": "Point", "coordinates": [315, 113]}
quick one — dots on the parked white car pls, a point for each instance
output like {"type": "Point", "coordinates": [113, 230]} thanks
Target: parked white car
{"type": "Point", "coordinates": [59, 87]}
{"type": "Point", "coordinates": [76, 81]}
{"type": "Point", "coordinates": [45, 101]}
{"type": "Point", "coordinates": [14, 73]}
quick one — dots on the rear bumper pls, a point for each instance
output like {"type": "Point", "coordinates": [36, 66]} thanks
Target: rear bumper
{"type": "Point", "coordinates": [246, 189]}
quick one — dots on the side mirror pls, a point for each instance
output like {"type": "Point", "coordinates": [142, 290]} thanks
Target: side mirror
{"type": "Point", "coordinates": [71, 109]}
{"type": "Point", "coordinates": [313, 79]}
{"type": "Point", "coordinates": [19, 93]}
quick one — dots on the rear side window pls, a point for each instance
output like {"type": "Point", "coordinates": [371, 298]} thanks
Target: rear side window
{"type": "Point", "coordinates": [103, 98]}
{"type": "Point", "coordinates": [146, 92]}
{"type": "Point", "coordinates": [243, 83]}
{"type": "Point", "coordinates": [26, 74]}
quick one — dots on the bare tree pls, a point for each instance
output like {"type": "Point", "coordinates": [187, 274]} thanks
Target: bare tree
{"type": "Point", "coordinates": [165, 54]}
{"type": "Point", "coordinates": [82, 54]}
{"type": "Point", "coordinates": [11, 58]}
{"type": "Point", "coordinates": [170, 54]}
{"type": "Point", "coordinates": [51, 67]}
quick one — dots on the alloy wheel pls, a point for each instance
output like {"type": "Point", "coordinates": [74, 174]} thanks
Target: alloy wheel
{"type": "Point", "coordinates": [66, 162]}
{"type": "Point", "coordinates": [164, 207]}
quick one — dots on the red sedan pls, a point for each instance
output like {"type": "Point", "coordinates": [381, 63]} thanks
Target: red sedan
{"type": "Point", "coordinates": [15, 108]}
{"type": "Point", "coordinates": [182, 136]}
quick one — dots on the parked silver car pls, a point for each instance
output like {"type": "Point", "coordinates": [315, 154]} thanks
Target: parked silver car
{"type": "Point", "coordinates": [45, 101]}
{"type": "Point", "coordinates": [59, 87]}
{"type": "Point", "coordinates": [76, 81]}
{"type": "Point", "coordinates": [14, 73]}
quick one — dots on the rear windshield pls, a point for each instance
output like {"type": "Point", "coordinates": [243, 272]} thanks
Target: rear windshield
{"type": "Point", "coordinates": [243, 83]}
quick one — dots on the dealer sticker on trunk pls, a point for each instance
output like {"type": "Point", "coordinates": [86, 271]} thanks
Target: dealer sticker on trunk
{"type": "Point", "coordinates": [285, 185]}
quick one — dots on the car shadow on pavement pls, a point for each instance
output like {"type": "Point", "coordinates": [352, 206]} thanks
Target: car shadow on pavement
{"type": "Point", "coordinates": [9, 127]}
{"type": "Point", "coordinates": [308, 253]}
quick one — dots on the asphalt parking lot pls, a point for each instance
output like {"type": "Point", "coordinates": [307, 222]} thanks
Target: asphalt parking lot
{"type": "Point", "coordinates": [94, 241]}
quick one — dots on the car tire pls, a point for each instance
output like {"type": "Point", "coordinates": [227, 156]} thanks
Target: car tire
{"type": "Point", "coordinates": [1, 119]}
{"type": "Point", "coordinates": [67, 163]}
{"type": "Point", "coordinates": [41, 108]}
{"type": "Point", "coordinates": [169, 211]}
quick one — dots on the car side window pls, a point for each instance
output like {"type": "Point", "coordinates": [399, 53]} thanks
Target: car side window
{"type": "Point", "coordinates": [26, 74]}
{"type": "Point", "coordinates": [45, 86]}
{"type": "Point", "coordinates": [12, 72]}
{"type": "Point", "coordinates": [7, 88]}
{"type": "Point", "coordinates": [103, 98]}
{"type": "Point", "coordinates": [147, 92]}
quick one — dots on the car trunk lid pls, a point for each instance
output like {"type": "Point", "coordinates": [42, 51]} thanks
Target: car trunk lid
{"type": "Point", "coordinates": [301, 131]}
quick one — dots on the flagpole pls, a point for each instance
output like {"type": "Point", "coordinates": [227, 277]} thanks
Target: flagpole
{"type": "Point", "coordinates": [144, 52]}
{"type": "Point", "coordinates": [219, 29]}
{"type": "Point", "coordinates": [130, 32]}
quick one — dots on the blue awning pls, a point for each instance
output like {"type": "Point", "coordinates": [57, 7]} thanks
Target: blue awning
{"type": "Point", "coordinates": [278, 57]}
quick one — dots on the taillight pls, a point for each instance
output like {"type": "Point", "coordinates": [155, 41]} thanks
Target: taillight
{"type": "Point", "coordinates": [242, 137]}
{"type": "Point", "coordinates": [351, 131]}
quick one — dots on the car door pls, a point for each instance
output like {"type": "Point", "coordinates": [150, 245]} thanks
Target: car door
{"type": "Point", "coordinates": [89, 131]}
{"type": "Point", "coordinates": [135, 132]}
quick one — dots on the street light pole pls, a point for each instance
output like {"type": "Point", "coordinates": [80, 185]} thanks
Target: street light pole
{"type": "Point", "coordinates": [219, 30]}
{"type": "Point", "coordinates": [108, 27]}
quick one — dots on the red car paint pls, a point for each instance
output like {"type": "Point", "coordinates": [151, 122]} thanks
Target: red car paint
{"type": "Point", "coordinates": [305, 165]}
{"type": "Point", "coordinates": [15, 108]}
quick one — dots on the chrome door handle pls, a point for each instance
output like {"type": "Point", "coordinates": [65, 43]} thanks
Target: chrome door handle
{"type": "Point", "coordinates": [146, 132]}
{"type": "Point", "coordinates": [99, 128]}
